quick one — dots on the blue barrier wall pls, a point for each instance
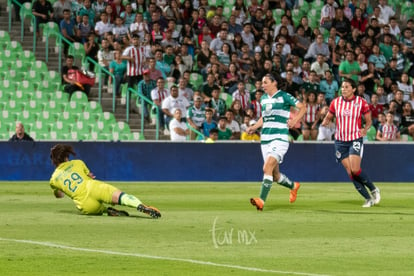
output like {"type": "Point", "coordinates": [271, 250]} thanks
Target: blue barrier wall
{"type": "Point", "coordinates": [158, 161]}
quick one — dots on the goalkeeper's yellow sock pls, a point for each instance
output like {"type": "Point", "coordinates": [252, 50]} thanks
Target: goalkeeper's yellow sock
{"type": "Point", "coordinates": [129, 200]}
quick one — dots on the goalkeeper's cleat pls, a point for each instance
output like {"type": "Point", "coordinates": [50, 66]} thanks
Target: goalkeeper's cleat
{"type": "Point", "coordinates": [376, 196]}
{"type": "Point", "coordinates": [112, 212]}
{"type": "Point", "coordinates": [294, 192]}
{"type": "Point", "coordinates": [149, 210]}
{"type": "Point", "coordinates": [258, 202]}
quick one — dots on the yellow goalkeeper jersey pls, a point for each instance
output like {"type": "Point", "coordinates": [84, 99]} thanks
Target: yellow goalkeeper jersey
{"type": "Point", "coordinates": [71, 177]}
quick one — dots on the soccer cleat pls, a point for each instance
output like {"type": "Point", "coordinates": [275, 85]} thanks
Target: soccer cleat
{"type": "Point", "coordinates": [112, 212]}
{"type": "Point", "coordinates": [151, 211]}
{"type": "Point", "coordinates": [294, 192]}
{"type": "Point", "coordinates": [258, 202]}
{"type": "Point", "coordinates": [368, 203]}
{"type": "Point", "coordinates": [376, 196]}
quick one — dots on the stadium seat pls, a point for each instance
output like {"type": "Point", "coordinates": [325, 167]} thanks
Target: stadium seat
{"type": "Point", "coordinates": [26, 86]}
{"type": "Point", "coordinates": [4, 67]}
{"type": "Point", "coordinates": [93, 107]}
{"type": "Point", "coordinates": [52, 76]}
{"type": "Point", "coordinates": [196, 80]}
{"type": "Point", "coordinates": [8, 56]}
{"type": "Point", "coordinates": [372, 133]}
{"type": "Point", "coordinates": [277, 15]}
{"type": "Point", "coordinates": [26, 56]}
{"type": "Point", "coordinates": [4, 39]}
{"type": "Point", "coordinates": [75, 107]}
{"type": "Point", "coordinates": [317, 4]}
{"type": "Point", "coordinates": [80, 97]}
{"type": "Point", "coordinates": [77, 51]}
{"type": "Point", "coordinates": [7, 86]}
{"type": "Point", "coordinates": [20, 66]}
{"type": "Point", "coordinates": [15, 47]}
{"type": "Point", "coordinates": [39, 66]}
{"type": "Point", "coordinates": [33, 77]}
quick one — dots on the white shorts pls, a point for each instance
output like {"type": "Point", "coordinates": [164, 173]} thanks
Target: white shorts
{"type": "Point", "coordinates": [277, 149]}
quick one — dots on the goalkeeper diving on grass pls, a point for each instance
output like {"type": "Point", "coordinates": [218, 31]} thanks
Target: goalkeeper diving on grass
{"type": "Point", "coordinates": [74, 179]}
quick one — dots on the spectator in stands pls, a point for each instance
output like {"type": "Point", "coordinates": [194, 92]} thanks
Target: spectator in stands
{"type": "Point", "coordinates": [406, 86]}
{"type": "Point", "coordinates": [84, 29]}
{"type": "Point", "coordinates": [87, 9]}
{"type": "Point", "coordinates": [139, 27]}
{"type": "Point", "coordinates": [312, 84]}
{"type": "Point", "coordinates": [361, 91]}
{"type": "Point", "coordinates": [209, 123]}
{"type": "Point", "coordinates": [134, 55]}
{"type": "Point", "coordinates": [378, 59]}
{"type": "Point", "coordinates": [217, 104]}
{"type": "Point", "coordinates": [325, 133]}
{"type": "Point", "coordinates": [91, 50]}
{"type": "Point", "coordinates": [394, 28]}
{"type": "Point", "coordinates": [233, 125]}
{"type": "Point", "coordinates": [207, 87]}
{"type": "Point", "coordinates": [392, 74]}
{"type": "Point", "coordinates": [178, 128]}
{"type": "Point", "coordinates": [158, 95]}
{"type": "Point", "coordinates": [58, 9]}
{"type": "Point", "coordinates": [349, 68]}
{"type": "Point", "coordinates": [341, 23]}
{"type": "Point", "coordinates": [67, 28]}
{"type": "Point", "coordinates": [327, 14]}
{"type": "Point", "coordinates": [184, 90]}
{"type": "Point", "coordinates": [98, 7]}
{"type": "Point", "coordinates": [329, 86]}
{"type": "Point", "coordinates": [389, 131]}
{"type": "Point", "coordinates": [311, 118]}
{"type": "Point", "coordinates": [242, 95]}
{"type": "Point", "coordinates": [43, 11]}
{"type": "Point", "coordinates": [105, 57]}
{"type": "Point", "coordinates": [370, 78]}
{"type": "Point", "coordinates": [386, 11]}
{"type": "Point", "coordinates": [128, 15]}
{"type": "Point", "coordinates": [407, 120]}
{"type": "Point", "coordinates": [224, 132]}
{"type": "Point", "coordinates": [196, 115]}
{"type": "Point", "coordinates": [118, 68]}
{"type": "Point", "coordinates": [103, 26]}
{"type": "Point", "coordinates": [172, 101]}
{"type": "Point", "coordinates": [69, 79]}
{"type": "Point", "coordinates": [376, 109]}
{"type": "Point", "coordinates": [145, 86]}
{"type": "Point", "coordinates": [320, 67]}
{"type": "Point", "coordinates": [317, 47]}
{"type": "Point", "coordinates": [161, 65]}
{"type": "Point", "coordinates": [20, 135]}
{"type": "Point", "coordinates": [217, 43]}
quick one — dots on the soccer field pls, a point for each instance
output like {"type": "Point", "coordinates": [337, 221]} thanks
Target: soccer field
{"type": "Point", "coordinates": [210, 229]}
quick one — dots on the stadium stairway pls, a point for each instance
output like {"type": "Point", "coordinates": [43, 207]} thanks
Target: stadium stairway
{"type": "Point", "coordinates": [53, 64]}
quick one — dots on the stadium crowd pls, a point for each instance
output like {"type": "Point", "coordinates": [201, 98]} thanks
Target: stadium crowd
{"type": "Point", "coordinates": [193, 55]}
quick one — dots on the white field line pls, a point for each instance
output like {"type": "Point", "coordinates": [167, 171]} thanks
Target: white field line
{"type": "Point", "coordinates": [110, 252]}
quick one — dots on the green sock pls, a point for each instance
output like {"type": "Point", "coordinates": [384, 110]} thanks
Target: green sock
{"type": "Point", "coordinates": [286, 182]}
{"type": "Point", "coordinates": [129, 200]}
{"type": "Point", "coordinates": [266, 185]}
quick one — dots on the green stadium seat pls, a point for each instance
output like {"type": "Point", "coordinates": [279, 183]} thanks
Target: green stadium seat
{"type": "Point", "coordinates": [40, 126]}
{"type": "Point", "coordinates": [4, 39]}
{"type": "Point", "coordinates": [15, 76]}
{"type": "Point", "coordinates": [15, 106]}
{"type": "Point", "coordinates": [227, 98]}
{"type": "Point", "coordinates": [98, 136]}
{"type": "Point", "coordinates": [52, 76]}
{"type": "Point", "coordinates": [60, 96]}
{"type": "Point", "coordinates": [26, 86]}
{"type": "Point", "coordinates": [121, 127]}
{"type": "Point", "coordinates": [34, 105]}
{"type": "Point", "coordinates": [54, 106]}
{"type": "Point", "coordinates": [4, 66]}
{"type": "Point", "coordinates": [8, 56]}
{"type": "Point", "coordinates": [26, 56]}
{"type": "Point", "coordinates": [26, 11]}
{"type": "Point", "coordinates": [39, 66]}
{"type": "Point", "coordinates": [7, 86]}
{"type": "Point", "coordinates": [372, 134]}
{"type": "Point", "coordinates": [80, 97]}
{"type": "Point", "coordinates": [15, 47]}
{"type": "Point", "coordinates": [75, 107]}
{"type": "Point", "coordinates": [196, 80]}
{"type": "Point", "coordinates": [8, 116]}
{"type": "Point", "coordinates": [47, 86]}
{"type": "Point", "coordinates": [50, 29]}
{"type": "Point", "coordinates": [33, 77]}
{"type": "Point", "coordinates": [41, 96]}
{"type": "Point", "coordinates": [77, 51]}
{"type": "Point", "coordinates": [93, 107]}
{"type": "Point", "coordinates": [20, 96]}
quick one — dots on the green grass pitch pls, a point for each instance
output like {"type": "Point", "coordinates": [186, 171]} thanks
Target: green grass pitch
{"type": "Point", "coordinates": [210, 229]}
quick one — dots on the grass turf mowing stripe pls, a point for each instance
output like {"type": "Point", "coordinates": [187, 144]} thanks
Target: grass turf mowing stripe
{"type": "Point", "coordinates": [110, 252]}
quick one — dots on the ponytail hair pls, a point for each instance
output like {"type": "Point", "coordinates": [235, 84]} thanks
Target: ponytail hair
{"type": "Point", "coordinates": [59, 153]}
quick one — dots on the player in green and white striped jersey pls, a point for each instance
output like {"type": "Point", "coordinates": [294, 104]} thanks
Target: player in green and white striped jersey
{"type": "Point", "coordinates": [275, 124]}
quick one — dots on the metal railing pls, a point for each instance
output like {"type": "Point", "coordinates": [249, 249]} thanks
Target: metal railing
{"type": "Point", "coordinates": [32, 18]}
{"type": "Point", "coordinates": [144, 100]}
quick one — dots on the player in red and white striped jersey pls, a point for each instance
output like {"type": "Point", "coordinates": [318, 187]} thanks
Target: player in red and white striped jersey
{"type": "Point", "coordinates": [348, 110]}
{"type": "Point", "coordinates": [389, 131]}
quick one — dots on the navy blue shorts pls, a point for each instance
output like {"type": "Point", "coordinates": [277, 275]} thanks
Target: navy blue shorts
{"type": "Point", "coordinates": [344, 149]}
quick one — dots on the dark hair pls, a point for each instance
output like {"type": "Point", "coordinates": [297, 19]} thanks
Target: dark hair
{"type": "Point", "coordinates": [351, 82]}
{"type": "Point", "coordinates": [59, 153]}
